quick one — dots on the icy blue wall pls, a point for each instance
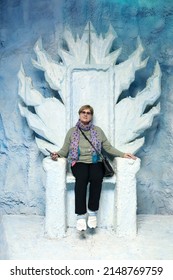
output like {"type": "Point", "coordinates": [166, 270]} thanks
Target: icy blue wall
{"type": "Point", "coordinates": [21, 24]}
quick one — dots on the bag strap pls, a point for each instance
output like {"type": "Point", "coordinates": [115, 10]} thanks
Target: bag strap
{"type": "Point", "coordinates": [91, 144]}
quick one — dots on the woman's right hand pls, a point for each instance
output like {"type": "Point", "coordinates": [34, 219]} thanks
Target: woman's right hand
{"type": "Point", "coordinates": [54, 155]}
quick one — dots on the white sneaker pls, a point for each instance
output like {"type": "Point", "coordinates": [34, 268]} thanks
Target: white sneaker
{"type": "Point", "coordinates": [81, 224]}
{"type": "Point", "coordinates": [92, 221]}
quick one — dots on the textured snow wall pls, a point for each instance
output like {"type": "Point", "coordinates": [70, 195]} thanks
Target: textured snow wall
{"type": "Point", "coordinates": [22, 23]}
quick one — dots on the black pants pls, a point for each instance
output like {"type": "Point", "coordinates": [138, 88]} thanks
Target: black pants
{"type": "Point", "coordinates": [85, 173]}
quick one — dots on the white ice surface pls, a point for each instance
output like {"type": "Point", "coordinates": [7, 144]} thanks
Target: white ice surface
{"type": "Point", "coordinates": [25, 240]}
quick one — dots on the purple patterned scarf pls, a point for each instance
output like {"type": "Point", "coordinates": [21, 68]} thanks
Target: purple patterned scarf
{"type": "Point", "coordinates": [74, 146]}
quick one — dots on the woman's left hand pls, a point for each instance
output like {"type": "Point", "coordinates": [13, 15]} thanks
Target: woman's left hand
{"type": "Point", "coordinates": [130, 156]}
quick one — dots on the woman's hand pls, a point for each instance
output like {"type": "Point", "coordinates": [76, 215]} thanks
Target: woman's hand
{"type": "Point", "coordinates": [130, 156]}
{"type": "Point", "coordinates": [54, 155]}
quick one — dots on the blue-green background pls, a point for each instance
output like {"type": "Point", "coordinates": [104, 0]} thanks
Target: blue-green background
{"type": "Point", "coordinates": [21, 24]}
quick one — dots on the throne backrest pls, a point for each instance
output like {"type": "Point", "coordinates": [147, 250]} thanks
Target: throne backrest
{"type": "Point", "coordinates": [92, 85]}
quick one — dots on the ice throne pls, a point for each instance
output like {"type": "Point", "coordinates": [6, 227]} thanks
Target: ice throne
{"type": "Point", "coordinates": [87, 74]}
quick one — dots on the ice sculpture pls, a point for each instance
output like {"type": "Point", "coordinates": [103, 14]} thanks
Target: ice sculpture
{"type": "Point", "coordinates": [87, 74]}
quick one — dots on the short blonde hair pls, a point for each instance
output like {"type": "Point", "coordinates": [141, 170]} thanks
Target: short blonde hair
{"type": "Point", "coordinates": [86, 107]}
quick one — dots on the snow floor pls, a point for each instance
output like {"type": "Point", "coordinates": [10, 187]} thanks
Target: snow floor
{"type": "Point", "coordinates": [23, 238]}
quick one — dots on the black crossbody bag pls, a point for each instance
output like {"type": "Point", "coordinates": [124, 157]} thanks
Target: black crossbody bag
{"type": "Point", "coordinates": [108, 170]}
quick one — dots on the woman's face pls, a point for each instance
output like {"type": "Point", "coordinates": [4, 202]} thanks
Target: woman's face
{"type": "Point", "coordinates": [85, 116]}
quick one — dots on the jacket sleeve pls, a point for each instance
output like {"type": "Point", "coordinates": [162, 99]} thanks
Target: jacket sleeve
{"type": "Point", "coordinates": [63, 152]}
{"type": "Point", "coordinates": [106, 145]}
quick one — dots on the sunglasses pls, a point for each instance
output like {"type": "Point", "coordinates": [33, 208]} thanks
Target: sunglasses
{"type": "Point", "coordinates": [86, 112]}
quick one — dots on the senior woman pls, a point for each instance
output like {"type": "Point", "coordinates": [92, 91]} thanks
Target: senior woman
{"type": "Point", "coordinates": [86, 165]}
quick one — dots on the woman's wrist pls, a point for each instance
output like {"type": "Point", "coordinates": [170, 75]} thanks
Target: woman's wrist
{"type": "Point", "coordinates": [54, 155]}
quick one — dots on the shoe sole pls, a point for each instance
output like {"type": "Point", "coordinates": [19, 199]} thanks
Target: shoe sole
{"type": "Point", "coordinates": [92, 226]}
